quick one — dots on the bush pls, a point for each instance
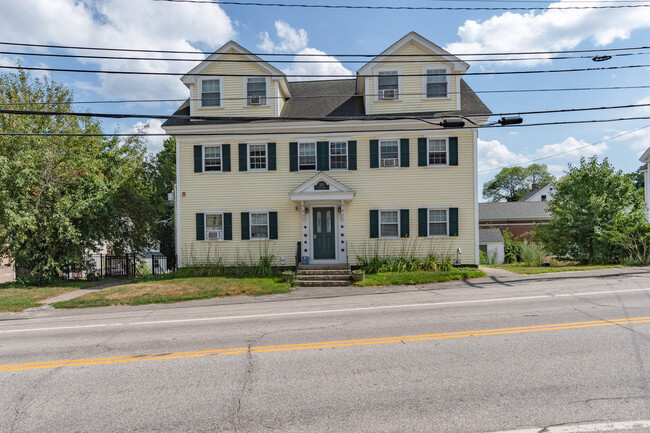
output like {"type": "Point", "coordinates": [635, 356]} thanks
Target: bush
{"type": "Point", "coordinates": [532, 254]}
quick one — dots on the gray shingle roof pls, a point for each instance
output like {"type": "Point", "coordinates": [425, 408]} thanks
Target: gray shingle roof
{"type": "Point", "coordinates": [335, 98]}
{"type": "Point", "coordinates": [513, 210]}
{"type": "Point", "coordinates": [489, 235]}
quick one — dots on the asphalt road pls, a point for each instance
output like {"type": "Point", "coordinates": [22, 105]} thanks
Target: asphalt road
{"type": "Point", "coordinates": [567, 352]}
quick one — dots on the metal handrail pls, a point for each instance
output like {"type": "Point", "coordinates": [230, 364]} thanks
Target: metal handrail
{"type": "Point", "coordinates": [298, 256]}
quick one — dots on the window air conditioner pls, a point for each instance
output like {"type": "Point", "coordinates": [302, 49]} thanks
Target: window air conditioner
{"type": "Point", "coordinates": [388, 94]}
{"type": "Point", "coordinates": [255, 100]}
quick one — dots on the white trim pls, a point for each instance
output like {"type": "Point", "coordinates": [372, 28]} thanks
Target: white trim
{"type": "Point", "coordinates": [276, 94]}
{"type": "Point", "coordinates": [200, 92]}
{"type": "Point", "coordinates": [347, 154]}
{"type": "Point", "coordinates": [250, 225]}
{"type": "Point", "coordinates": [305, 192]}
{"type": "Point", "coordinates": [339, 220]}
{"type": "Point", "coordinates": [475, 184]}
{"type": "Point", "coordinates": [446, 209]}
{"type": "Point", "coordinates": [438, 137]}
{"type": "Point", "coordinates": [458, 95]}
{"type": "Point", "coordinates": [399, 83]}
{"type": "Point", "coordinates": [399, 151]}
{"type": "Point", "coordinates": [203, 146]}
{"type": "Point", "coordinates": [245, 92]}
{"type": "Point", "coordinates": [177, 197]}
{"type": "Point", "coordinates": [399, 220]}
{"type": "Point", "coordinates": [366, 95]}
{"type": "Point", "coordinates": [248, 156]}
{"type": "Point", "coordinates": [447, 69]}
{"type": "Point", "coordinates": [315, 143]}
{"type": "Point", "coordinates": [205, 225]}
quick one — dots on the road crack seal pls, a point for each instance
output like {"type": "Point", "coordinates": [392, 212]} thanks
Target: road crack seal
{"type": "Point", "coordinates": [247, 377]}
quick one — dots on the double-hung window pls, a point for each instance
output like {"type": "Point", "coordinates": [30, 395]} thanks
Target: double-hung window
{"type": "Point", "coordinates": [257, 157]}
{"type": "Point", "coordinates": [259, 225]}
{"type": "Point", "coordinates": [211, 158]}
{"type": "Point", "coordinates": [338, 155]}
{"type": "Point", "coordinates": [436, 83]}
{"type": "Point", "coordinates": [388, 84]}
{"type": "Point", "coordinates": [307, 156]}
{"type": "Point", "coordinates": [211, 93]}
{"type": "Point", "coordinates": [389, 153]}
{"type": "Point", "coordinates": [256, 91]}
{"type": "Point", "coordinates": [437, 151]}
{"type": "Point", "coordinates": [438, 222]}
{"type": "Point", "coordinates": [214, 227]}
{"type": "Point", "coordinates": [389, 223]}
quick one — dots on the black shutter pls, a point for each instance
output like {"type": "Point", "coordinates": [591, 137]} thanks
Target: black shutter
{"type": "Point", "coordinates": [245, 230]}
{"type": "Point", "coordinates": [270, 148]}
{"type": "Point", "coordinates": [273, 225]}
{"type": "Point", "coordinates": [243, 157]}
{"type": "Point", "coordinates": [200, 227]}
{"type": "Point", "coordinates": [453, 221]}
{"type": "Point", "coordinates": [352, 155]}
{"type": "Point", "coordinates": [453, 150]}
{"type": "Point", "coordinates": [227, 226]}
{"type": "Point", "coordinates": [374, 153]}
{"type": "Point", "coordinates": [293, 156]}
{"type": "Point", "coordinates": [404, 223]}
{"type": "Point", "coordinates": [225, 157]}
{"type": "Point", "coordinates": [322, 156]}
{"type": "Point", "coordinates": [422, 152]}
{"type": "Point", "coordinates": [404, 152]}
{"type": "Point", "coordinates": [198, 159]}
{"type": "Point", "coordinates": [374, 223]}
{"type": "Point", "coordinates": [422, 222]}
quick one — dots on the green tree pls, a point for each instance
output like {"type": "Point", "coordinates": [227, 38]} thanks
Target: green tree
{"type": "Point", "coordinates": [512, 183]}
{"type": "Point", "coordinates": [590, 207]}
{"type": "Point", "coordinates": [164, 177]}
{"type": "Point", "coordinates": [63, 196]}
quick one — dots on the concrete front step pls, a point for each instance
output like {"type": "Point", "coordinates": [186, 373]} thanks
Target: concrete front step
{"type": "Point", "coordinates": [303, 267]}
{"type": "Point", "coordinates": [317, 277]}
{"type": "Point", "coordinates": [323, 272]}
{"type": "Point", "coordinates": [322, 283]}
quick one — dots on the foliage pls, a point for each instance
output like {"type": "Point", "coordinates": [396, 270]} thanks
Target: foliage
{"type": "Point", "coordinates": [637, 179]}
{"type": "Point", "coordinates": [512, 183]}
{"type": "Point", "coordinates": [163, 180]}
{"type": "Point", "coordinates": [18, 297]}
{"type": "Point", "coordinates": [521, 268]}
{"type": "Point", "coordinates": [532, 254]}
{"type": "Point", "coordinates": [594, 209]}
{"type": "Point", "coordinates": [418, 277]}
{"type": "Point", "coordinates": [512, 248]}
{"type": "Point", "coordinates": [63, 196]}
{"type": "Point", "coordinates": [487, 259]}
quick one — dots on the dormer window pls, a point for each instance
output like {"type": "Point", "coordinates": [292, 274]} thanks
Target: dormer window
{"type": "Point", "coordinates": [388, 85]}
{"type": "Point", "coordinates": [256, 91]}
{"type": "Point", "coordinates": [436, 83]}
{"type": "Point", "coordinates": [211, 93]}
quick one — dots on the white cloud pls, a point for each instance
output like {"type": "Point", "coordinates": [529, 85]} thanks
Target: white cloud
{"type": "Point", "coordinates": [151, 126]}
{"type": "Point", "coordinates": [549, 30]}
{"type": "Point", "coordinates": [295, 41]}
{"type": "Point", "coordinates": [573, 147]}
{"type": "Point", "coordinates": [493, 154]}
{"type": "Point", "coordinates": [291, 40]}
{"type": "Point", "coordinates": [638, 141]}
{"type": "Point", "coordinates": [140, 24]}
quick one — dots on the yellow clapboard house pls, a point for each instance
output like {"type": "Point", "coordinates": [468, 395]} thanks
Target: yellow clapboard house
{"type": "Point", "coordinates": [327, 170]}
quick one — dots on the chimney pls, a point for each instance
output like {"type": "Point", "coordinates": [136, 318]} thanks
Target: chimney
{"type": "Point", "coordinates": [534, 186]}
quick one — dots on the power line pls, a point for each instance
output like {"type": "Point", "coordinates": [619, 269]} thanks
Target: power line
{"type": "Point", "coordinates": [208, 60]}
{"type": "Point", "coordinates": [567, 151]}
{"type": "Point", "coordinates": [353, 131]}
{"type": "Point", "coordinates": [150, 73]}
{"type": "Point", "coordinates": [408, 8]}
{"type": "Point", "coordinates": [133, 50]}
{"type": "Point", "coordinates": [310, 118]}
{"type": "Point", "coordinates": [144, 101]}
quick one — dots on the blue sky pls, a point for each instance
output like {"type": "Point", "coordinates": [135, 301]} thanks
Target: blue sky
{"type": "Point", "coordinates": [161, 25]}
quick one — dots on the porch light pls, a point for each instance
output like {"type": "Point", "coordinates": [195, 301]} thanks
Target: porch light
{"type": "Point", "coordinates": [306, 210]}
{"type": "Point", "coordinates": [339, 209]}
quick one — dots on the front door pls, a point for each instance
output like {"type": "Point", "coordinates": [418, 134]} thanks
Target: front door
{"type": "Point", "coordinates": [323, 225]}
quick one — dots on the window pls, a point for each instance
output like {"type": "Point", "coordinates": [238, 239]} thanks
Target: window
{"type": "Point", "coordinates": [436, 83]}
{"type": "Point", "coordinates": [338, 155]}
{"type": "Point", "coordinates": [307, 156]}
{"type": "Point", "coordinates": [211, 158]}
{"type": "Point", "coordinates": [438, 222]}
{"type": "Point", "coordinates": [211, 93]}
{"type": "Point", "coordinates": [259, 225]}
{"type": "Point", "coordinates": [437, 151]}
{"type": "Point", "coordinates": [388, 80]}
{"type": "Point", "coordinates": [256, 91]}
{"type": "Point", "coordinates": [214, 227]}
{"type": "Point", "coordinates": [389, 153]}
{"type": "Point", "coordinates": [543, 198]}
{"type": "Point", "coordinates": [257, 156]}
{"type": "Point", "coordinates": [388, 223]}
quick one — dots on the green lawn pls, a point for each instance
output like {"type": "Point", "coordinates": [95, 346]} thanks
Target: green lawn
{"type": "Point", "coordinates": [418, 277]}
{"type": "Point", "coordinates": [519, 269]}
{"type": "Point", "coordinates": [17, 297]}
{"type": "Point", "coordinates": [176, 290]}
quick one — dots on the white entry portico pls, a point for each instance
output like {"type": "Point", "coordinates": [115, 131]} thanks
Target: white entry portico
{"type": "Point", "coordinates": [322, 207]}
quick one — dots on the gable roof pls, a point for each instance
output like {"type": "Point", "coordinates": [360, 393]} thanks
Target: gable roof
{"type": "Point", "coordinates": [424, 43]}
{"type": "Point", "coordinates": [646, 156]}
{"type": "Point", "coordinates": [308, 190]}
{"type": "Point", "coordinates": [224, 50]}
{"type": "Point", "coordinates": [522, 210]}
{"type": "Point", "coordinates": [489, 235]}
{"type": "Point", "coordinates": [535, 191]}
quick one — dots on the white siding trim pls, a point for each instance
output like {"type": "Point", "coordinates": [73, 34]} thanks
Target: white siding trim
{"type": "Point", "coordinates": [199, 90]}
{"type": "Point", "coordinates": [177, 222]}
{"type": "Point", "coordinates": [276, 94]}
{"type": "Point", "coordinates": [245, 93]}
{"type": "Point", "coordinates": [476, 224]}
{"type": "Point", "coordinates": [448, 79]}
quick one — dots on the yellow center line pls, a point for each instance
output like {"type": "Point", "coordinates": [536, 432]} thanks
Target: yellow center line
{"type": "Point", "coordinates": [321, 345]}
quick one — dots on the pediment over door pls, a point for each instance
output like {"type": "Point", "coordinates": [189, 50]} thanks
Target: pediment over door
{"type": "Point", "coordinates": [322, 187]}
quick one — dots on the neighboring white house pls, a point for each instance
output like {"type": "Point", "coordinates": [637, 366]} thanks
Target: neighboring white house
{"type": "Point", "coordinates": [645, 169]}
{"type": "Point", "coordinates": [540, 194]}
{"type": "Point", "coordinates": [492, 244]}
